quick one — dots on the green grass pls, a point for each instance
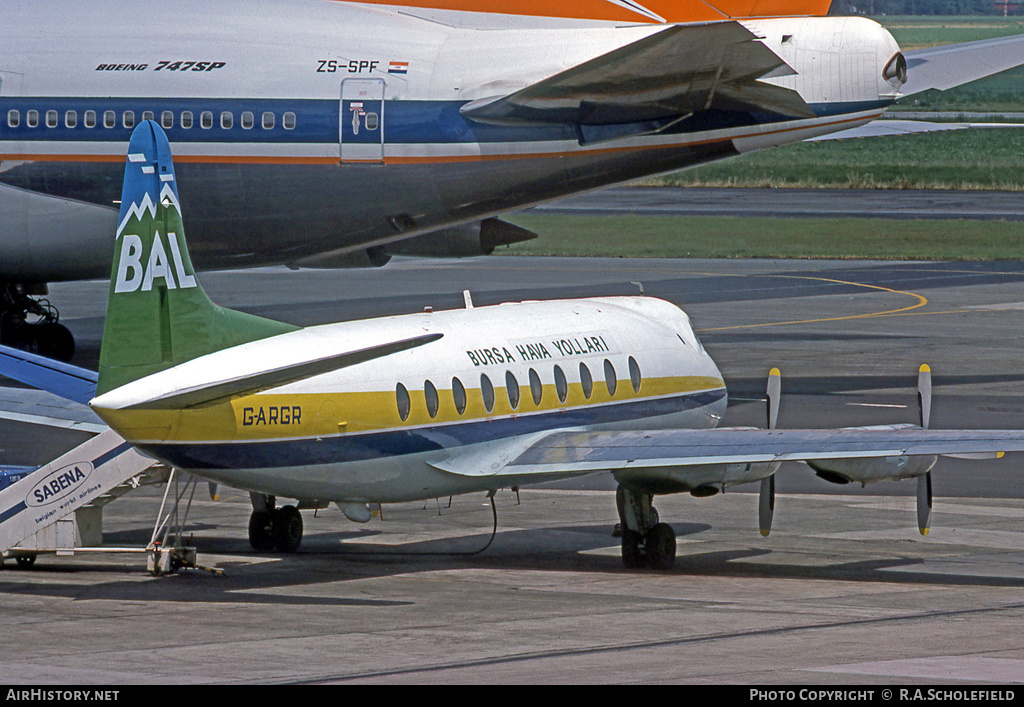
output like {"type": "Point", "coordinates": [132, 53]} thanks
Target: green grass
{"type": "Point", "coordinates": [928, 31]}
{"type": "Point", "coordinates": [726, 237]}
{"type": "Point", "coordinates": [960, 159]}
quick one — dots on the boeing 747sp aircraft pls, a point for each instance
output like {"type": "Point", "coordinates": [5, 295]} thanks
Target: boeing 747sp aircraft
{"type": "Point", "coordinates": [432, 404]}
{"type": "Point", "coordinates": [323, 133]}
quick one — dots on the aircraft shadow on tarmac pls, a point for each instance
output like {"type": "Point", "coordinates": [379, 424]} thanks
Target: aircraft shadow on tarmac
{"type": "Point", "coordinates": [258, 579]}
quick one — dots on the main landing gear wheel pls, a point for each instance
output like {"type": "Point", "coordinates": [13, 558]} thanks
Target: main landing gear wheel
{"type": "Point", "coordinates": [287, 529]}
{"type": "Point", "coordinates": [45, 336]}
{"type": "Point", "coordinates": [261, 531]}
{"type": "Point", "coordinates": [645, 541]}
{"type": "Point", "coordinates": [273, 528]}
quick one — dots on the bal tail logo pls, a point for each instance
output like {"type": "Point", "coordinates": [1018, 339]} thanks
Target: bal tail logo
{"type": "Point", "coordinates": [142, 256]}
{"type": "Point", "coordinates": [132, 275]}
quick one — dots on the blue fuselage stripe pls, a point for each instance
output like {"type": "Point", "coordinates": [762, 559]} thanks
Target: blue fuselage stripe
{"type": "Point", "coordinates": [317, 121]}
{"type": "Point", "coordinates": [397, 442]}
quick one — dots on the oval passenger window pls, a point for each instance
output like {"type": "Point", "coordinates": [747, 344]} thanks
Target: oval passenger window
{"type": "Point", "coordinates": [512, 388]}
{"type": "Point", "coordinates": [634, 374]}
{"type": "Point", "coordinates": [487, 392]}
{"type": "Point", "coordinates": [586, 381]}
{"type": "Point", "coordinates": [561, 385]}
{"type": "Point", "coordinates": [536, 388]}
{"type": "Point", "coordinates": [402, 400]}
{"type": "Point", "coordinates": [609, 377]}
{"type": "Point", "coordinates": [430, 395]}
{"type": "Point", "coordinates": [459, 395]}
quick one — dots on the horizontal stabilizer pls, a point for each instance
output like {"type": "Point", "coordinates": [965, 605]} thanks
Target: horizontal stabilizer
{"type": "Point", "coordinates": [62, 379]}
{"type": "Point", "coordinates": [956, 64]}
{"type": "Point", "coordinates": [218, 391]}
{"type": "Point", "coordinates": [887, 128]}
{"type": "Point", "coordinates": [665, 76]}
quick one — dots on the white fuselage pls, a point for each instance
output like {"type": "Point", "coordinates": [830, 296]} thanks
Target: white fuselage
{"type": "Point", "coordinates": [383, 430]}
{"type": "Point", "coordinates": [303, 127]}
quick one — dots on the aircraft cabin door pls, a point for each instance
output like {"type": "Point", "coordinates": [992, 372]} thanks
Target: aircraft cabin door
{"type": "Point", "coordinates": [361, 121]}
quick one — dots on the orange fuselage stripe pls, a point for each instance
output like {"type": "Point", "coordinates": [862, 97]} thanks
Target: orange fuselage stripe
{"type": "Point", "coordinates": [671, 10]}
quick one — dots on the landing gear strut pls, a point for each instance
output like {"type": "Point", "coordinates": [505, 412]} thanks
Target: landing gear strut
{"type": "Point", "coordinates": [272, 528]}
{"type": "Point", "coordinates": [44, 336]}
{"type": "Point", "coordinates": [646, 542]}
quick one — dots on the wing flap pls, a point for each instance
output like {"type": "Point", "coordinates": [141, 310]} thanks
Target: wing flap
{"type": "Point", "coordinates": [663, 77]}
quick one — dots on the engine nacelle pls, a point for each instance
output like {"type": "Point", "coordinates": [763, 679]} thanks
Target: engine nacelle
{"type": "Point", "coordinates": [700, 480]}
{"type": "Point", "coordinates": [373, 257]}
{"type": "Point", "coordinates": [467, 240]}
{"type": "Point", "coordinates": [865, 471]}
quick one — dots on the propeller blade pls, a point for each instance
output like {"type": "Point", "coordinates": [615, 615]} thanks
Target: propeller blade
{"type": "Point", "coordinates": [924, 482]}
{"type": "Point", "coordinates": [924, 394]}
{"type": "Point", "coordinates": [774, 393]}
{"type": "Point", "coordinates": [766, 505]}
{"type": "Point", "coordinates": [924, 502]}
{"type": "Point", "coordinates": [766, 502]}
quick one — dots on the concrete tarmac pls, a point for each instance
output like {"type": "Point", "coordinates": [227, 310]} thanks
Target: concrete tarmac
{"type": "Point", "coordinates": [795, 203]}
{"type": "Point", "coordinates": [845, 591]}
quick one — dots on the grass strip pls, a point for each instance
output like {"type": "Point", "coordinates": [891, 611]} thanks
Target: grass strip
{"type": "Point", "coordinates": [733, 237]}
{"type": "Point", "coordinates": [958, 159]}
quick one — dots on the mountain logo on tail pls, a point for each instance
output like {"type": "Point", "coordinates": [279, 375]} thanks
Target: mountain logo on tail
{"type": "Point", "coordinates": [136, 269]}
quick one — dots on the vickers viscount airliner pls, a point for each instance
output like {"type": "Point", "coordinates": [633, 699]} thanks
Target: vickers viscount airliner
{"type": "Point", "coordinates": [438, 403]}
{"type": "Point", "coordinates": [331, 134]}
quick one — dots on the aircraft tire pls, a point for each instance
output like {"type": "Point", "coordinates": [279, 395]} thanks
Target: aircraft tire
{"type": "Point", "coordinates": [661, 547]}
{"type": "Point", "coordinates": [287, 531]}
{"type": "Point", "coordinates": [46, 339]}
{"type": "Point", "coordinates": [632, 551]}
{"type": "Point", "coordinates": [261, 531]}
{"type": "Point", "coordinates": [56, 341]}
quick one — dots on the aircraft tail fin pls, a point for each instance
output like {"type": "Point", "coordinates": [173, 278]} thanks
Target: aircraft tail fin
{"type": "Point", "coordinates": [158, 316]}
{"type": "Point", "coordinates": [738, 9]}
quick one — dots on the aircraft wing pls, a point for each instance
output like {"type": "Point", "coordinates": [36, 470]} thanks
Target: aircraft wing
{"type": "Point", "coordinates": [59, 396]}
{"type": "Point", "coordinates": [659, 79]}
{"type": "Point", "coordinates": [579, 452]}
{"type": "Point", "coordinates": [62, 379]}
{"type": "Point", "coordinates": [956, 64]}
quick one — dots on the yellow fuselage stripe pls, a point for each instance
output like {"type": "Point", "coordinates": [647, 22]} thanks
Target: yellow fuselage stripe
{"type": "Point", "coordinates": [294, 415]}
